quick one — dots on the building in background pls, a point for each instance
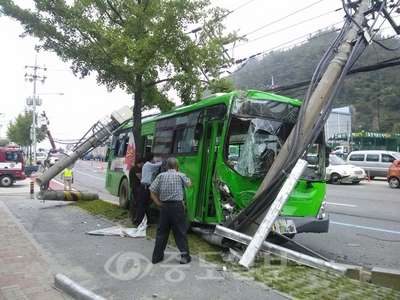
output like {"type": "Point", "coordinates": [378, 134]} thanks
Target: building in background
{"type": "Point", "coordinates": [339, 122]}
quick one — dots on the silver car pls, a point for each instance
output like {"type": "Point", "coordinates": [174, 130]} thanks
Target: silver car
{"type": "Point", "coordinates": [340, 171]}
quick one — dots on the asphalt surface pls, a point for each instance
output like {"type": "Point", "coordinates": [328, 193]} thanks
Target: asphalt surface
{"type": "Point", "coordinates": [116, 267]}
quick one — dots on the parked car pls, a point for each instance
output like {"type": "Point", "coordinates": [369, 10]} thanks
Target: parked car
{"type": "Point", "coordinates": [374, 162]}
{"type": "Point", "coordinates": [393, 176]}
{"type": "Point", "coordinates": [341, 151]}
{"type": "Point", "coordinates": [340, 171]}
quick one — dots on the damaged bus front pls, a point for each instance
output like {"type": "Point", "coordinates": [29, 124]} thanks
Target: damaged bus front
{"type": "Point", "coordinates": [226, 144]}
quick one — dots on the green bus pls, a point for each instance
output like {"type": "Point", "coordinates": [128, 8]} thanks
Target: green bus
{"type": "Point", "coordinates": [226, 144]}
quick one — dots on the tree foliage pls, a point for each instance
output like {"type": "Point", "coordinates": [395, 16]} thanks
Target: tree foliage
{"type": "Point", "coordinates": [4, 142]}
{"type": "Point", "coordinates": [18, 131]}
{"type": "Point", "coordinates": [374, 96]}
{"type": "Point", "coordinates": [133, 44]}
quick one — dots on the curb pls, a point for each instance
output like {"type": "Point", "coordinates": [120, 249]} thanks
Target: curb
{"type": "Point", "coordinates": [75, 291]}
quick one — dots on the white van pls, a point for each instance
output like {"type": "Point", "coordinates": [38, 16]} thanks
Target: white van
{"type": "Point", "coordinates": [374, 162]}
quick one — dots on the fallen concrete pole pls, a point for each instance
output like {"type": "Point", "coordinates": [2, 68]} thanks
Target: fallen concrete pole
{"type": "Point", "coordinates": [74, 290]}
{"type": "Point", "coordinates": [274, 211]}
{"type": "Point", "coordinates": [66, 196]}
{"type": "Point", "coordinates": [283, 252]}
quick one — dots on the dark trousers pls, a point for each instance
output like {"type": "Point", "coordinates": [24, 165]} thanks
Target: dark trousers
{"type": "Point", "coordinates": [133, 203]}
{"type": "Point", "coordinates": [172, 216]}
{"type": "Point", "coordinates": [143, 203]}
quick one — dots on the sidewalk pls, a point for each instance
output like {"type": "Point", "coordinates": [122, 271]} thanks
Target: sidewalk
{"type": "Point", "coordinates": [54, 243]}
{"type": "Point", "coordinates": [24, 274]}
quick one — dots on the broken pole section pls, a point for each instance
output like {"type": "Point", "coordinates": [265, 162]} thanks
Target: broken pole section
{"type": "Point", "coordinates": [274, 211]}
{"type": "Point", "coordinates": [283, 252]}
{"type": "Point", "coordinates": [66, 196]}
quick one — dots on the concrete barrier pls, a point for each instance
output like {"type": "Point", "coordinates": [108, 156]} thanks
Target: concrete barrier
{"type": "Point", "coordinates": [386, 277]}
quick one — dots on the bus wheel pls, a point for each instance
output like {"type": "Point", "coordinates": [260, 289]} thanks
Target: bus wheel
{"type": "Point", "coordinates": [188, 223]}
{"type": "Point", "coordinates": [123, 194]}
{"type": "Point", "coordinates": [6, 181]}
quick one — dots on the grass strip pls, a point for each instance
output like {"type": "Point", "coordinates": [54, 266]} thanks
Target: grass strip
{"type": "Point", "coordinates": [298, 281]}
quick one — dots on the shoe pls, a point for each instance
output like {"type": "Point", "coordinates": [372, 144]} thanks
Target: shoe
{"type": "Point", "coordinates": [156, 261]}
{"type": "Point", "coordinates": [185, 260]}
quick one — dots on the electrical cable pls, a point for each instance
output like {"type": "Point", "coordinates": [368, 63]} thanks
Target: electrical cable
{"type": "Point", "coordinates": [259, 204]}
{"type": "Point", "coordinates": [283, 29]}
{"type": "Point", "coordinates": [235, 73]}
{"type": "Point", "coordinates": [276, 21]}
{"type": "Point", "coordinates": [278, 47]}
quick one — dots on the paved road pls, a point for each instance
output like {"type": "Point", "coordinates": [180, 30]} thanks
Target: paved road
{"type": "Point", "coordinates": [364, 228]}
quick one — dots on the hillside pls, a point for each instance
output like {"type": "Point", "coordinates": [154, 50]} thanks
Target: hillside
{"type": "Point", "coordinates": [374, 96]}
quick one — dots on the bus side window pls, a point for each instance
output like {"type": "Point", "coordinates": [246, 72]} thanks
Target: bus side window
{"type": "Point", "coordinates": [184, 141]}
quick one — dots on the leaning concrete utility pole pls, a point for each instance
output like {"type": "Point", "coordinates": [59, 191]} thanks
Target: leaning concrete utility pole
{"type": "Point", "coordinates": [101, 131]}
{"type": "Point", "coordinates": [317, 103]}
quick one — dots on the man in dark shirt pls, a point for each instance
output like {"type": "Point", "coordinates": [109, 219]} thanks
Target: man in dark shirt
{"type": "Point", "coordinates": [167, 192]}
{"type": "Point", "coordinates": [135, 175]}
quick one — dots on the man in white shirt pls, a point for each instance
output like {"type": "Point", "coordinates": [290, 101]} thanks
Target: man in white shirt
{"type": "Point", "coordinates": [144, 193]}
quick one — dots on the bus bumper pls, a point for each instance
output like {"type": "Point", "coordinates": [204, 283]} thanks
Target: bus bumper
{"type": "Point", "coordinates": [309, 224]}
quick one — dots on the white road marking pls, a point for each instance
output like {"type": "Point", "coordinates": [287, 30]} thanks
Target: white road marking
{"type": "Point", "coordinates": [333, 203]}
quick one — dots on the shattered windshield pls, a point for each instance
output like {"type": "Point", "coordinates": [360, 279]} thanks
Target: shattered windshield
{"type": "Point", "coordinates": [260, 147]}
{"type": "Point", "coordinates": [259, 128]}
{"type": "Point", "coordinates": [257, 132]}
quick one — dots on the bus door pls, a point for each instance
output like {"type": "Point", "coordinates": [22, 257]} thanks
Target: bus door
{"type": "Point", "coordinates": [205, 211]}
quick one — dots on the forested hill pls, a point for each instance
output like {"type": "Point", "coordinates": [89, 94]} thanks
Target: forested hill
{"type": "Point", "coordinates": [374, 96]}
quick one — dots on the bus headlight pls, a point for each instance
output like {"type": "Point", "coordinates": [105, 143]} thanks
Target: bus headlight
{"type": "Point", "coordinates": [321, 212]}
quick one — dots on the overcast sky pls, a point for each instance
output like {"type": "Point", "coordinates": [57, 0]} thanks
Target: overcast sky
{"type": "Point", "coordinates": [269, 25]}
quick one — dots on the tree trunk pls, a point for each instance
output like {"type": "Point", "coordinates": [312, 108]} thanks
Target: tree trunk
{"type": "Point", "coordinates": [137, 118]}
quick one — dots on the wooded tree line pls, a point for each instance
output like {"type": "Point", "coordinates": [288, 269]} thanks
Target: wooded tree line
{"type": "Point", "coordinates": [373, 96]}
{"type": "Point", "coordinates": [145, 47]}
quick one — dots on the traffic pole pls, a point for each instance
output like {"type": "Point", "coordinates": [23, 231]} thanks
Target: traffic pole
{"type": "Point", "coordinates": [32, 189]}
{"type": "Point", "coordinates": [369, 177]}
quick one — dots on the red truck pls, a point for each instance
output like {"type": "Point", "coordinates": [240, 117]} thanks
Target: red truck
{"type": "Point", "coordinates": [12, 166]}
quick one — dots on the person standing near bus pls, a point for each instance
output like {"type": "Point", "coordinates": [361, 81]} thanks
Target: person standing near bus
{"type": "Point", "coordinates": [68, 176]}
{"type": "Point", "coordinates": [167, 192]}
{"type": "Point", "coordinates": [135, 175]}
{"type": "Point", "coordinates": [143, 203]}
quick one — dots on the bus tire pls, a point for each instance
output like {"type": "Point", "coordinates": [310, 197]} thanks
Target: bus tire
{"type": "Point", "coordinates": [188, 223]}
{"type": "Point", "coordinates": [123, 194]}
{"type": "Point", "coordinates": [6, 181]}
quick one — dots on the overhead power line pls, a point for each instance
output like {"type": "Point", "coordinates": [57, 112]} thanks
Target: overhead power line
{"type": "Point", "coordinates": [283, 18]}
